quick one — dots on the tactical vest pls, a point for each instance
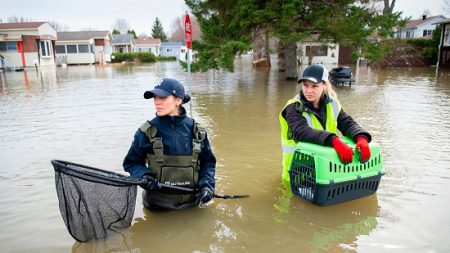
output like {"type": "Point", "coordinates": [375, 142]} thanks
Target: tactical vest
{"type": "Point", "coordinates": [288, 144]}
{"type": "Point", "coordinates": [178, 170]}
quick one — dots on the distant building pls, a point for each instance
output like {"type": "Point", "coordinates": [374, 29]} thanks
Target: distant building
{"type": "Point", "coordinates": [83, 47]}
{"type": "Point", "coordinates": [420, 28]}
{"type": "Point", "coordinates": [313, 51]}
{"type": "Point", "coordinates": [148, 45]}
{"type": "Point", "coordinates": [175, 49]}
{"type": "Point", "coordinates": [27, 44]}
{"type": "Point", "coordinates": [123, 43]}
{"type": "Point", "coordinates": [444, 46]}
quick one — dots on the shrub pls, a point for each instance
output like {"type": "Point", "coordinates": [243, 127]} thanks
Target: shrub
{"type": "Point", "coordinates": [167, 58]}
{"type": "Point", "coordinates": [120, 57]}
{"type": "Point", "coordinates": [145, 57]}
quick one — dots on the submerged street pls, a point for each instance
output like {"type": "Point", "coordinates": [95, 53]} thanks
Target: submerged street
{"type": "Point", "coordinates": [88, 115]}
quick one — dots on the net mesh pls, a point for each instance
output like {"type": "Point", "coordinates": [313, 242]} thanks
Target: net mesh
{"type": "Point", "coordinates": [93, 202]}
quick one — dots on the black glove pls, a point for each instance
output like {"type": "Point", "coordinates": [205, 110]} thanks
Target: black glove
{"type": "Point", "coordinates": [151, 183]}
{"type": "Point", "coordinates": [205, 195]}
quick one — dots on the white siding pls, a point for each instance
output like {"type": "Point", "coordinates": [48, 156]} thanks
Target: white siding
{"type": "Point", "coordinates": [77, 58]}
{"type": "Point", "coordinates": [331, 57]}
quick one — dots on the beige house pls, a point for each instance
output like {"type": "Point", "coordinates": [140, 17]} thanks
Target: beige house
{"type": "Point", "coordinates": [26, 44]}
{"type": "Point", "coordinates": [83, 47]}
{"type": "Point", "coordinates": [148, 45]}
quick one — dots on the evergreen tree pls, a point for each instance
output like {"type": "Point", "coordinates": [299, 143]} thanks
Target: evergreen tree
{"type": "Point", "coordinates": [115, 31]}
{"type": "Point", "coordinates": [158, 31]}
{"type": "Point", "coordinates": [132, 32]}
{"type": "Point", "coordinates": [227, 27]}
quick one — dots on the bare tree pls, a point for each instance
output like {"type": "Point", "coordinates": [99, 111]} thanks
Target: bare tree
{"type": "Point", "coordinates": [447, 6]}
{"type": "Point", "coordinates": [15, 19]}
{"type": "Point", "coordinates": [121, 25]}
{"type": "Point", "coordinates": [388, 7]}
{"type": "Point", "coordinates": [144, 35]}
{"type": "Point", "coordinates": [89, 28]}
{"type": "Point", "coordinates": [177, 29]}
{"type": "Point", "coordinates": [59, 27]}
{"type": "Point", "coordinates": [382, 6]}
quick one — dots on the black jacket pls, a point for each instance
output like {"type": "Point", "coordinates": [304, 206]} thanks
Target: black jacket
{"type": "Point", "coordinates": [302, 132]}
{"type": "Point", "coordinates": [176, 133]}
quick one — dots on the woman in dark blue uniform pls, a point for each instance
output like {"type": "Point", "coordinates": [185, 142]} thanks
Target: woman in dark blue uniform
{"type": "Point", "coordinates": [172, 149]}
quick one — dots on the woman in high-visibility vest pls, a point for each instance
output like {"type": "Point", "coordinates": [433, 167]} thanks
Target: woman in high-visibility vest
{"type": "Point", "coordinates": [314, 115]}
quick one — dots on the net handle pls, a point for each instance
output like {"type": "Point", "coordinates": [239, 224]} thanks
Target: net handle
{"type": "Point", "coordinates": [63, 166]}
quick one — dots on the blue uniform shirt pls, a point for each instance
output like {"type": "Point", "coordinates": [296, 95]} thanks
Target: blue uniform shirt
{"type": "Point", "coordinates": [177, 134]}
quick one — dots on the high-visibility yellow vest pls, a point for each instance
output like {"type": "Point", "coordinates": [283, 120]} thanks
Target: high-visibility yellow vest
{"type": "Point", "coordinates": [288, 144]}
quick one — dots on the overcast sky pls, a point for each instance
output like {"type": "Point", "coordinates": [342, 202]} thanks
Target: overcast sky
{"type": "Point", "coordinates": [140, 14]}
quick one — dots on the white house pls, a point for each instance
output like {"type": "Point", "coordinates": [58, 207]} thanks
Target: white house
{"type": "Point", "coordinates": [420, 28]}
{"type": "Point", "coordinates": [148, 45]}
{"type": "Point", "coordinates": [83, 47]}
{"type": "Point", "coordinates": [444, 45]}
{"type": "Point", "coordinates": [310, 51]}
{"type": "Point", "coordinates": [27, 44]}
{"type": "Point", "coordinates": [123, 43]}
{"type": "Point", "coordinates": [175, 49]}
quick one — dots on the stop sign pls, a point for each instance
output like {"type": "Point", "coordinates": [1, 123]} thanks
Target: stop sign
{"type": "Point", "coordinates": [188, 31]}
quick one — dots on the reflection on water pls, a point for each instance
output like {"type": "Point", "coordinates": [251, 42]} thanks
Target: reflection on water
{"type": "Point", "coordinates": [88, 114]}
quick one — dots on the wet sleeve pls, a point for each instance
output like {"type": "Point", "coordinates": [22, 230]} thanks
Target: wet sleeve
{"type": "Point", "coordinates": [350, 128]}
{"type": "Point", "coordinates": [301, 131]}
{"type": "Point", "coordinates": [207, 166]}
{"type": "Point", "coordinates": [134, 162]}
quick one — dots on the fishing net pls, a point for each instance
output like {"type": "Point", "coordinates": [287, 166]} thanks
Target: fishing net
{"type": "Point", "coordinates": [93, 202]}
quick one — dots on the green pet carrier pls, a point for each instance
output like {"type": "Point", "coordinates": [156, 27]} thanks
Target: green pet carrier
{"type": "Point", "coordinates": [318, 176]}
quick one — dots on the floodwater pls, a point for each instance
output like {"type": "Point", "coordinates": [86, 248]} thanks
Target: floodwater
{"type": "Point", "coordinates": [88, 115]}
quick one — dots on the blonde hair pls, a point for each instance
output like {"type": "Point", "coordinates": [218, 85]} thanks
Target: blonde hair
{"type": "Point", "coordinates": [329, 91]}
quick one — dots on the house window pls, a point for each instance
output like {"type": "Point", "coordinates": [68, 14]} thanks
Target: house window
{"type": "Point", "coordinates": [60, 49]}
{"type": "Point", "coordinates": [10, 46]}
{"type": "Point", "coordinates": [45, 48]}
{"type": "Point", "coordinates": [169, 50]}
{"type": "Point", "coordinates": [71, 49]}
{"type": "Point", "coordinates": [408, 34]}
{"type": "Point", "coordinates": [427, 33]}
{"type": "Point", "coordinates": [83, 48]}
{"type": "Point", "coordinates": [316, 50]}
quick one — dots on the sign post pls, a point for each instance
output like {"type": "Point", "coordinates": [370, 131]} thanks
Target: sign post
{"type": "Point", "coordinates": [188, 34]}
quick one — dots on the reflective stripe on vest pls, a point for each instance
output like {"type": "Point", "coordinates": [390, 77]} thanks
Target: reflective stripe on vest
{"type": "Point", "coordinates": [288, 144]}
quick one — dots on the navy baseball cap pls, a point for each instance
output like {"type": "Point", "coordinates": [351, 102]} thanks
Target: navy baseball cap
{"type": "Point", "coordinates": [167, 87]}
{"type": "Point", "coordinates": [315, 73]}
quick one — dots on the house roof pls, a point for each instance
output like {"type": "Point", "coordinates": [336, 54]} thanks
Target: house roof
{"type": "Point", "coordinates": [24, 25]}
{"type": "Point", "coordinates": [147, 41]}
{"type": "Point", "coordinates": [171, 44]}
{"type": "Point", "coordinates": [81, 35]}
{"type": "Point", "coordinates": [447, 21]}
{"type": "Point", "coordinates": [418, 22]}
{"type": "Point", "coordinates": [122, 38]}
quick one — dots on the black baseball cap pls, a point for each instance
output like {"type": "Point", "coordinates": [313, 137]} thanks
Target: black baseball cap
{"type": "Point", "coordinates": [167, 87]}
{"type": "Point", "coordinates": [315, 73]}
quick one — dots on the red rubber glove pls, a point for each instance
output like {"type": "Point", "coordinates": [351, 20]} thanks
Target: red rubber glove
{"type": "Point", "coordinates": [363, 147]}
{"type": "Point", "coordinates": [344, 151]}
